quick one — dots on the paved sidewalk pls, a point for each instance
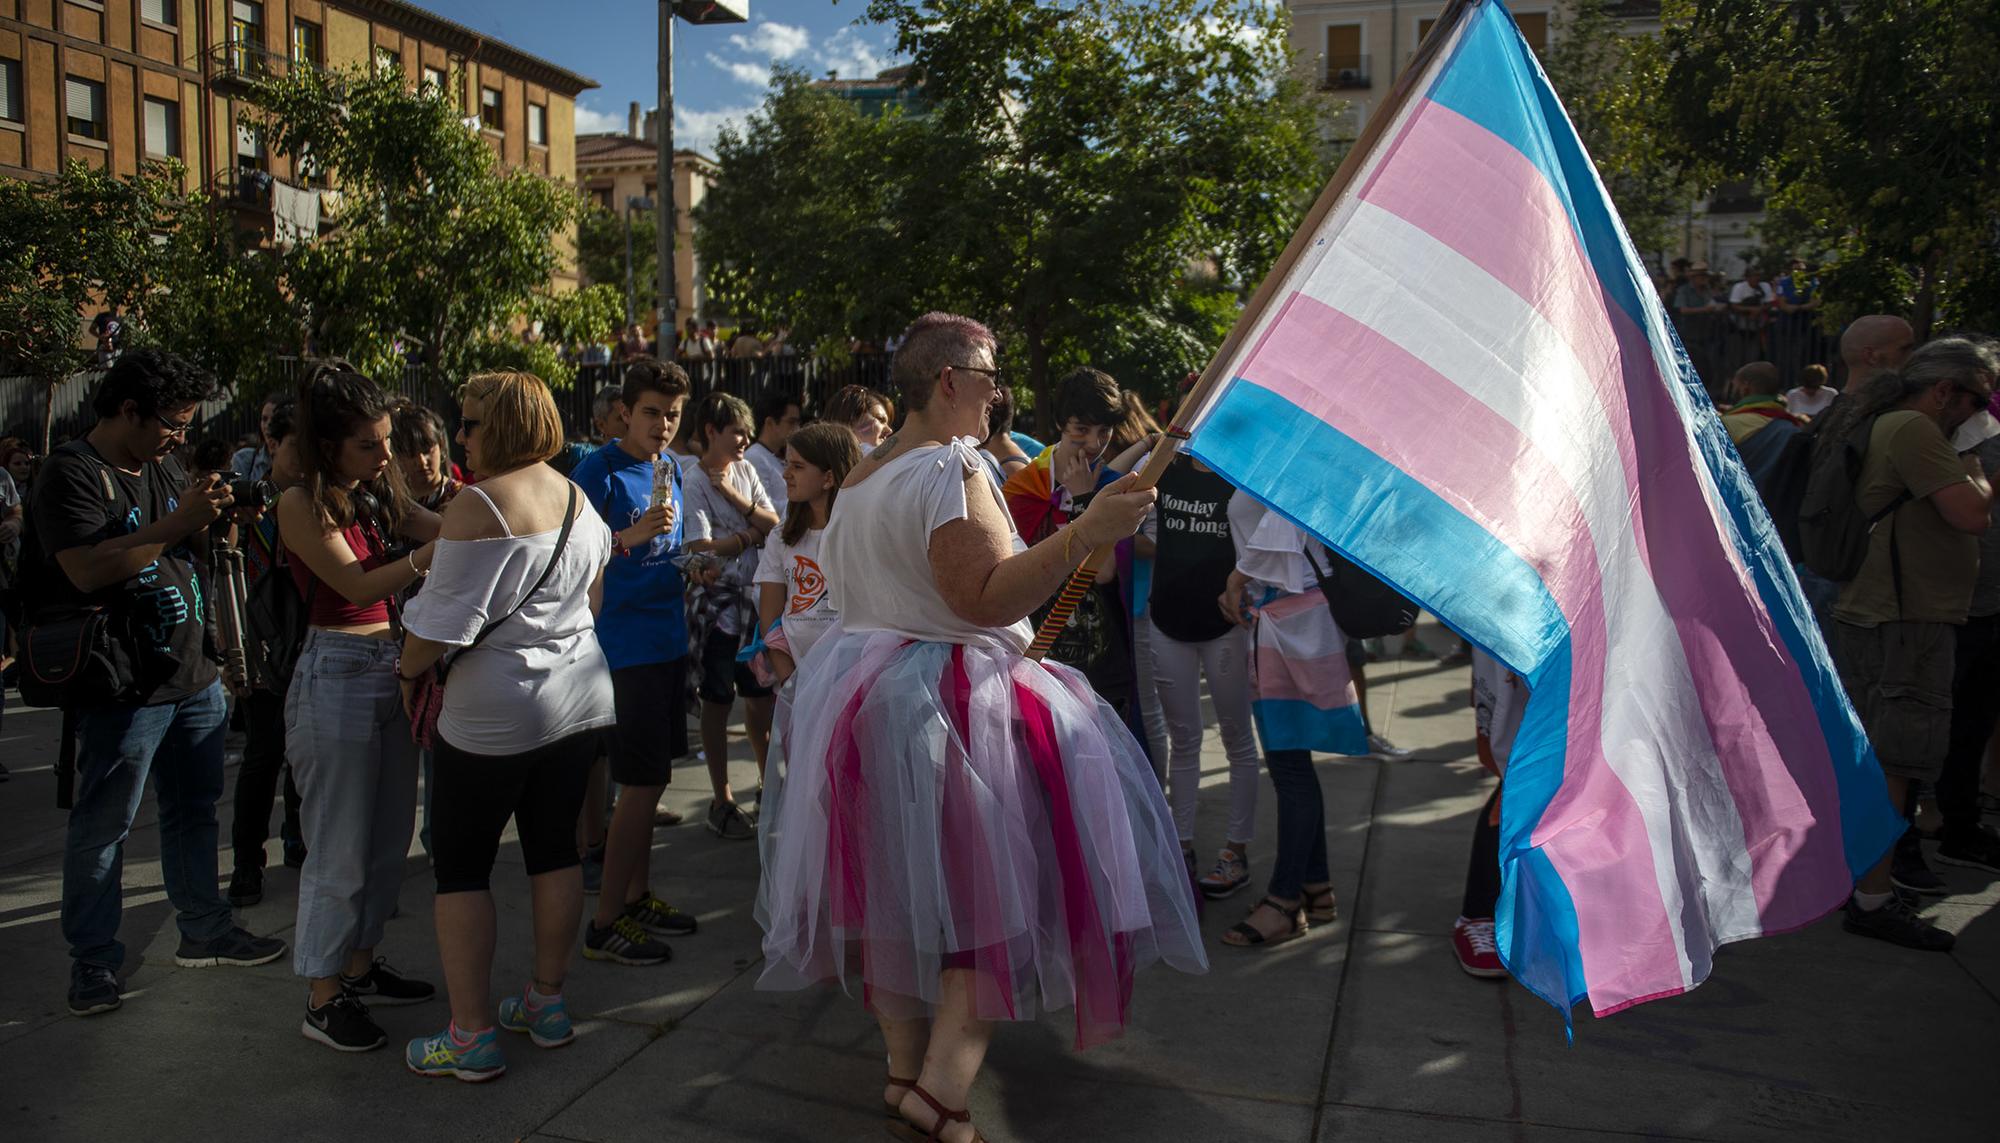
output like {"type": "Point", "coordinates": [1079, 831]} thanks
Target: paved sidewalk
{"type": "Point", "coordinates": [1365, 1030]}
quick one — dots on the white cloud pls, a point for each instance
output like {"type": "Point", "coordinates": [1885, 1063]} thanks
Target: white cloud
{"type": "Point", "coordinates": [743, 71]}
{"type": "Point", "coordinates": [771, 40]}
{"type": "Point", "coordinates": [591, 121]}
{"type": "Point", "coordinates": [697, 130]}
{"type": "Point", "coordinates": [852, 56]}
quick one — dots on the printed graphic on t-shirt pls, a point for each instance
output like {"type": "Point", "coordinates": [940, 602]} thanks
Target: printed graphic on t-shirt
{"type": "Point", "coordinates": [808, 585]}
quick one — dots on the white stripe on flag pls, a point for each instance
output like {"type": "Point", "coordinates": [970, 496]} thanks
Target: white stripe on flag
{"type": "Point", "coordinates": [1494, 346]}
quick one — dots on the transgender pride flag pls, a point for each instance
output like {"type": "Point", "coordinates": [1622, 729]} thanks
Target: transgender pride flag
{"type": "Point", "coordinates": [1466, 384]}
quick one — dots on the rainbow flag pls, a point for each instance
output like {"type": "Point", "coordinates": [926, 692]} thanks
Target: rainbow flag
{"type": "Point", "coordinates": [1466, 384]}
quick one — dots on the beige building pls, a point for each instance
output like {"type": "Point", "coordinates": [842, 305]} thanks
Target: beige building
{"type": "Point", "coordinates": [1355, 49]}
{"type": "Point", "coordinates": [114, 83]}
{"type": "Point", "coordinates": [614, 167]}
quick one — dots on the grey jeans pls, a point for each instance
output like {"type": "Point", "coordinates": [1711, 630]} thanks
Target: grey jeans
{"type": "Point", "coordinates": [349, 745]}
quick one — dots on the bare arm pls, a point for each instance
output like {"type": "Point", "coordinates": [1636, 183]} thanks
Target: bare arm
{"type": "Point", "coordinates": [770, 604]}
{"type": "Point", "coordinates": [1965, 505]}
{"type": "Point", "coordinates": [985, 583]}
{"type": "Point", "coordinates": [94, 567]}
{"type": "Point", "coordinates": [328, 555]}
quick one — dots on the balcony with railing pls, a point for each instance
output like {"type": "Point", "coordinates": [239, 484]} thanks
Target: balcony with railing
{"type": "Point", "coordinates": [243, 65]}
{"type": "Point", "coordinates": [1344, 73]}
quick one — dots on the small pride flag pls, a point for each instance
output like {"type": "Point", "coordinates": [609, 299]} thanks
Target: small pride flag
{"type": "Point", "coordinates": [1464, 381]}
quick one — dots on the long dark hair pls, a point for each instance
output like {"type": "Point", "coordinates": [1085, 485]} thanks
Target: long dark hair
{"type": "Point", "coordinates": [335, 400]}
{"type": "Point", "coordinates": [828, 445]}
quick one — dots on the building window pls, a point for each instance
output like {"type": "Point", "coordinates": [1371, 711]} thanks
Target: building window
{"type": "Point", "coordinates": [433, 84]}
{"type": "Point", "coordinates": [386, 62]}
{"type": "Point", "coordinates": [306, 43]}
{"type": "Point", "coordinates": [538, 125]}
{"type": "Point", "coordinates": [1534, 29]}
{"type": "Point", "coordinates": [489, 109]}
{"type": "Point", "coordinates": [163, 128]}
{"type": "Point", "coordinates": [246, 35]}
{"type": "Point", "coordinates": [250, 152]}
{"type": "Point", "coordinates": [85, 101]}
{"type": "Point", "coordinates": [160, 11]}
{"type": "Point", "coordinates": [1346, 66]}
{"type": "Point", "coordinates": [10, 90]}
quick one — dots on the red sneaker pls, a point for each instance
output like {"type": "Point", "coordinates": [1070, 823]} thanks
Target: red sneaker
{"type": "Point", "coordinates": [1472, 940]}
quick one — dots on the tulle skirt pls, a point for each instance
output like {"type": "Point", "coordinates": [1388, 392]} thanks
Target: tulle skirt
{"type": "Point", "coordinates": [934, 806]}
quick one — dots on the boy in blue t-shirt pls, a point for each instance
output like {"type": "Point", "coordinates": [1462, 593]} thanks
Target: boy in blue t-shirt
{"type": "Point", "coordinates": [642, 626]}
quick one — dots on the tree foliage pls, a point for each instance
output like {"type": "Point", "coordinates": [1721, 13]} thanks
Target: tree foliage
{"type": "Point", "coordinates": [216, 299]}
{"type": "Point", "coordinates": [437, 245]}
{"type": "Point", "coordinates": [600, 253]}
{"type": "Point", "coordinates": [1870, 126]}
{"type": "Point", "coordinates": [1610, 84]}
{"type": "Point", "coordinates": [1099, 181]}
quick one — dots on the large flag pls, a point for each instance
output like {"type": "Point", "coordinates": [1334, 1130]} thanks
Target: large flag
{"type": "Point", "coordinates": [1466, 384]}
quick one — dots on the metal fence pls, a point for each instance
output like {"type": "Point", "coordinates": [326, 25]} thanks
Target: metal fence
{"type": "Point", "coordinates": [24, 401]}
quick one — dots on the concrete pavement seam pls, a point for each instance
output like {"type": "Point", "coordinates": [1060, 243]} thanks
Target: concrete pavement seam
{"type": "Point", "coordinates": [1347, 955]}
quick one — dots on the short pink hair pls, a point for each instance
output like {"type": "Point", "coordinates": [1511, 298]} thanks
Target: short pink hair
{"type": "Point", "coordinates": [932, 342]}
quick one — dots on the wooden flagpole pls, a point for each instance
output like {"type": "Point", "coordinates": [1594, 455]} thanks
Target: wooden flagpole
{"type": "Point", "coordinates": [1212, 377]}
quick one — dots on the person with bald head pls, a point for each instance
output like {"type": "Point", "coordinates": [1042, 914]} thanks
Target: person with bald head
{"type": "Point", "coordinates": [1874, 345]}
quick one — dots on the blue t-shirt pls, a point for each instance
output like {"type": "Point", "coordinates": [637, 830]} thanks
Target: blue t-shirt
{"type": "Point", "coordinates": [643, 620]}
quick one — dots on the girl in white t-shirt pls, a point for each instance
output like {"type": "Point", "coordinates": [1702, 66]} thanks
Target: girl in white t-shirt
{"type": "Point", "coordinates": [793, 607]}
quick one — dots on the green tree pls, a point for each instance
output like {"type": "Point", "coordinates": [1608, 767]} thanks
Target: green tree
{"type": "Point", "coordinates": [217, 299]}
{"type": "Point", "coordinates": [1609, 84]}
{"type": "Point", "coordinates": [1869, 124]}
{"type": "Point", "coordinates": [600, 253]}
{"type": "Point", "coordinates": [69, 244]}
{"type": "Point", "coordinates": [437, 246]}
{"type": "Point", "coordinates": [1096, 180]}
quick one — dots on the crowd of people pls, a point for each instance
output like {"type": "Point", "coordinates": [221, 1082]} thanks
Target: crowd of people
{"type": "Point", "coordinates": [965, 833]}
{"type": "Point", "coordinates": [1725, 324]}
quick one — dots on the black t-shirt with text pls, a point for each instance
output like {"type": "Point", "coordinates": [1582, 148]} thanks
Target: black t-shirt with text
{"type": "Point", "coordinates": [162, 606]}
{"type": "Point", "coordinates": [1194, 557]}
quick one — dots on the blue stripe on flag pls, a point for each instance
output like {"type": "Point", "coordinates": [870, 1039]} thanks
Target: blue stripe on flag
{"type": "Point", "coordinates": [1493, 80]}
{"type": "Point", "coordinates": [1535, 922]}
{"type": "Point", "coordinates": [1295, 724]}
{"type": "Point", "coordinates": [1384, 520]}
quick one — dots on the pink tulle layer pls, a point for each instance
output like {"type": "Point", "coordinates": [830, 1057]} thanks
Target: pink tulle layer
{"type": "Point", "coordinates": [934, 806]}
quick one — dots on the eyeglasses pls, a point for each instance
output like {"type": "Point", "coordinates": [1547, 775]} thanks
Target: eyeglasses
{"type": "Point", "coordinates": [175, 428]}
{"type": "Point", "coordinates": [992, 374]}
{"type": "Point", "coordinates": [467, 426]}
{"type": "Point", "coordinates": [1976, 395]}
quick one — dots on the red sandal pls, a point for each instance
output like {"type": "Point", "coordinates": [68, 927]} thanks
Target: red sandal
{"type": "Point", "coordinates": [893, 1108]}
{"type": "Point", "coordinates": [902, 1128]}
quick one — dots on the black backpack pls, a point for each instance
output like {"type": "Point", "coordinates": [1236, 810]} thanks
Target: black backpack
{"type": "Point", "coordinates": [1363, 606]}
{"type": "Point", "coordinates": [274, 618]}
{"type": "Point", "coordinates": [1833, 533]}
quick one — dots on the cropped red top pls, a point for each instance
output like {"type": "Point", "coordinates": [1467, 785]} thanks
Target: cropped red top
{"type": "Point", "coordinates": [329, 607]}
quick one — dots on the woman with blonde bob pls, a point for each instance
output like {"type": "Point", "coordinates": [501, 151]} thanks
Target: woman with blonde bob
{"type": "Point", "coordinates": [508, 609]}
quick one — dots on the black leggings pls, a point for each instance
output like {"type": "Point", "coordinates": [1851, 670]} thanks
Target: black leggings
{"type": "Point", "coordinates": [1482, 873]}
{"type": "Point", "coordinates": [541, 789]}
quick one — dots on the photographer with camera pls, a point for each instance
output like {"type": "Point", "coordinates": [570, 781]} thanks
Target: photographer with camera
{"type": "Point", "coordinates": [115, 637]}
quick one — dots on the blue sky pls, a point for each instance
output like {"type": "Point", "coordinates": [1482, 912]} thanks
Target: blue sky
{"type": "Point", "coordinates": [719, 72]}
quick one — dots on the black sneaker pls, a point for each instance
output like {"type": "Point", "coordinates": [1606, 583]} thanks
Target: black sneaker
{"type": "Point", "coordinates": [656, 916]}
{"type": "Point", "coordinates": [92, 989]}
{"type": "Point", "coordinates": [1908, 871]}
{"type": "Point", "coordinates": [234, 947]}
{"type": "Point", "coordinates": [295, 856]}
{"type": "Point", "coordinates": [726, 820]}
{"type": "Point", "coordinates": [624, 943]}
{"type": "Point", "coordinates": [1977, 849]}
{"type": "Point", "coordinates": [246, 887]}
{"type": "Point", "coordinates": [1898, 924]}
{"type": "Point", "coordinates": [343, 1024]}
{"type": "Point", "coordinates": [382, 985]}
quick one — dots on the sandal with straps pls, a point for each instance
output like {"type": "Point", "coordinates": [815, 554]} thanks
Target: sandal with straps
{"type": "Point", "coordinates": [893, 1108]}
{"type": "Point", "coordinates": [1320, 905]}
{"type": "Point", "coordinates": [1246, 935]}
{"type": "Point", "coordinates": [902, 1128]}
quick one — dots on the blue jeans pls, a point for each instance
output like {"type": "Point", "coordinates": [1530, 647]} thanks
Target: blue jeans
{"type": "Point", "coordinates": [1301, 857]}
{"type": "Point", "coordinates": [180, 745]}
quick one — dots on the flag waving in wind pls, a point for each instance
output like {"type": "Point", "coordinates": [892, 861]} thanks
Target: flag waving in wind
{"type": "Point", "coordinates": [1464, 381]}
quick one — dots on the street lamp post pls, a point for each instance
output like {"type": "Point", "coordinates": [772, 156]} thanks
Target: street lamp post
{"type": "Point", "coordinates": [694, 12]}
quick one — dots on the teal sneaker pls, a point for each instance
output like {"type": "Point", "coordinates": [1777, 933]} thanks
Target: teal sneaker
{"type": "Point", "coordinates": [439, 1055]}
{"type": "Point", "coordinates": [547, 1026]}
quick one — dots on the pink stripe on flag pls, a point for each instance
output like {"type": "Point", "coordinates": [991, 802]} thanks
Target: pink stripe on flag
{"type": "Point", "coordinates": [1752, 694]}
{"type": "Point", "coordinates": [1607, 857]}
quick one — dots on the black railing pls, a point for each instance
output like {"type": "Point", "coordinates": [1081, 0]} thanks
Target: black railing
{"type": "Point", "coordinates": [1344, 73]}
{"type": "Point", "coordinates": [243, 64]}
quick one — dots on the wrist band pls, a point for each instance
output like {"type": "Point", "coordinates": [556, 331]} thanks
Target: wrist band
{"type": "Point", "coordinates": [419, 572]}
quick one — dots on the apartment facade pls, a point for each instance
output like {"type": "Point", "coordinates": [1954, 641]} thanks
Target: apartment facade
{"type": "Point", "coordinates": [117, 83]}
{"type": "Point", "coordinates": [614, 167]}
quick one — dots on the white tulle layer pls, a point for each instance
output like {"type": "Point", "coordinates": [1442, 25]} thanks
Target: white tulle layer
{"type": "Point", "coordinates": [935, 806]}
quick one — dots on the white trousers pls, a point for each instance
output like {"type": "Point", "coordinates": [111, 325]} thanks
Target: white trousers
{"type": "Point", "coordinates": [1178, 668]}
